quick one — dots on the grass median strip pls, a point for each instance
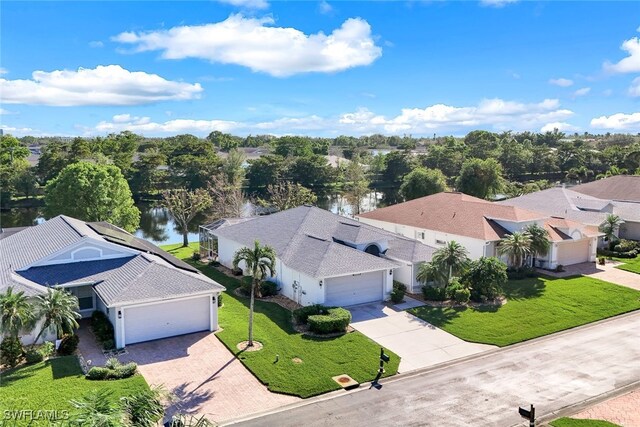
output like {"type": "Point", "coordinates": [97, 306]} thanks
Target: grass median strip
{"type": "Point", "coordinates": [290, 362]}
{"type": "Point", "coordinates": [630, 264]}
{"type": "Point", "coordinates": [535, 307]}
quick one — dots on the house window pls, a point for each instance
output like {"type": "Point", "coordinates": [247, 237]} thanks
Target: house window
{"type": "Point", "coordinates": [440, 242]}
{"type": "Point", "coordinates": [85, 297]}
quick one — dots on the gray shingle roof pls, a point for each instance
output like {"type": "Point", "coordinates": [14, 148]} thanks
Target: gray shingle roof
{"type": "Point", "coordinates": [304, 239]}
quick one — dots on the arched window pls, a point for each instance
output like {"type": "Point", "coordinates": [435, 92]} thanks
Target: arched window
{"type": "Point", "coordinates": [373, 250]}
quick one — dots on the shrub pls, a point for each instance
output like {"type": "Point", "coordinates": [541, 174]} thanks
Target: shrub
{"type": "Point", "coordinates": [601, 260]}
{"type": "Point", "coordinates": [268, 288]}
{"type": "Point", "coordinates": [485, 278]}
{"type": "Point", "coordinates": [629, 254]}
{"type": "Point", "coordinates": [102, 329]}
{"type": "Point", "coordinates": [461, 295]}
{"type": "Point", "coordinates": [398, 292]}
{"type": "Point", "coordinates": [301, 315]}
{"type": "Point", "coordinates": [32, 355]}
{"type": "Point", "coordinates": [560, 268]}
{"type": "Point", "coordinates": [97, 373]}
{"type": "Point", "coordinates": [10, 351]}
{"type": "Point", "coordinates": [624, 245]}
{"type": "Point", "coordinates": [196, 256]}
{"type": "Point", "coordinates": [245, 285]}
{"type": "Point", "coordinates": [46, 349]}
{"type": "Point", "coordinates": [434, 293]}
{"type": "Point", "coordinates": [68, 344]}
{"type": "Point", "coordinates": [220, 300]}
{"type": "Point", "coordinates": [214, 263]}
{"type": "Point", "coordinates": [336, 320]}
{"type": "Point", "coordinates": [125, 371]}
{"type": "Point", "coordinates": [112, 363]}
{"type": "Point", "coordinates": [108, 345]}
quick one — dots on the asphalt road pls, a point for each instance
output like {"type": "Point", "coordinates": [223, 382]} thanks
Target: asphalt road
{"type": "Point", "coordinates": [551, 373]}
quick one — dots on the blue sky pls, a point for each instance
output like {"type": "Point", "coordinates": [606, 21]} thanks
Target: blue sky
{"type": "Point", "coordinates": [319, 68]}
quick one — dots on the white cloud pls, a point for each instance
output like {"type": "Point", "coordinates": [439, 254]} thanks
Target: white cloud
{"type": "Point", "coordinates": [634, 89]}
{"type": "Point", "coordinates": [104, 85]}
{"type": "Point", "coordinates": [497, 3]}
{"type": "Point", "coordinates": [325, 7]}
{"type": "Point", "coordinates": [16, 131]}
{"type": "Point", "coordinates": [247, 4]}
{"type": "Point", "coordinates": [256, 44]}
{"type": "Point", "coordinates": [96, 44]}
{"type": "Point", "coordinates": [619, 121]}
{"type": "Point", "coordinates": [562, 82]}
{"type": "Point", "coordinates": [582, 91]}
{"type": "Point", "coordinates": [497, 114]}
{"type": "Point", "coordinates": [630, 64]}
{"type": "Point", "coordinates": [561, 126]}
{"type": "Point", "coordinates": [5, 112]}
{"type": "Point", "coordinates": [3, 71]}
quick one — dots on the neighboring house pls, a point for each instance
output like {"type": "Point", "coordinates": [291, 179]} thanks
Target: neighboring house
{"type": "Point", "coordinates": [146, 292]}
{"type": "Point", "coordinates": [584, 208]}
{"type": "Point", "coordinates": [323, 258]}
{"type": "Point", "coordinates": [479, 226]}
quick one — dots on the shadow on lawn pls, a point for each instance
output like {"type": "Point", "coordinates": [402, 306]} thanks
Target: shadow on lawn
{"type": "Point", "coordinates": [525, 288]}
{"type": "Point", "coordinates": [63, 367]}
{"type": "Point", "coordinates": [438, 316]}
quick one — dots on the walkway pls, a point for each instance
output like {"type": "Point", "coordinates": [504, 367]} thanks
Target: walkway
{"type": "Point", "coordinates": [622, 410]}
{"type": "Point", "coordinates": [205, 377]}
{"type": "Point", "coordinates": [606, 272]}
{"type": "Point", "coordinates": [417, 342]}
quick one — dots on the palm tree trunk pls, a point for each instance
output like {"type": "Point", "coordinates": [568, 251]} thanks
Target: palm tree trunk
{"type": "Point", "coordinates": [44, 327]}
{"type": "Point", "coordinates": [253, 286]}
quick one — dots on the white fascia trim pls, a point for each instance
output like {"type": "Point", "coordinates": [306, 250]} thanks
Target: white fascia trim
{"type": "Point", "coordinates": [361, 272]}
{"type": "Point", "coordinates": [151, 301]}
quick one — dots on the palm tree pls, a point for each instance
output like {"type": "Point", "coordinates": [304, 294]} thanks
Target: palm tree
{"type": "Point", "coordinates": [539, 241]}
{"type": "Point", "coordinates": [452, 259]}
{"type": "Point", "coordinates": [610, 226]}
{"type": "Point", "coordinates": [145, 408]}
{"type": "Point", "coordinates": [95, 409]}
{"type": "Point", "coordinates": [16, 313]}
{"type": "Point", "coordinates": [261, 262]}
{"type": "Point", "coordinates": [516, 247]}
{"type": "Point", "coordinates": [58, 308]}
{"type": "Point", "coordinates": [429, 271]}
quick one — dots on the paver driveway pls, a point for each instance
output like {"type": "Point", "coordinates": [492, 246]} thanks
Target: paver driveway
{"type": "Point", "coordinates": [606, 272]}
{"type": "Point", "coordinates": [417, 342]}
{"type": "Point", "coordinates": [205, 377]}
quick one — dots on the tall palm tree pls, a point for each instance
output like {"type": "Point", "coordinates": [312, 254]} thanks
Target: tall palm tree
{"type": "Point", "coordinates": [452, 259]}
{"type": "Point", "coordinates": [516, 247]}
{"type": "Point", "coordinates": [610, 226]}
{"type": "Point", "coordinates": [96, 409]}
{"type": "Point", "coordinates": [540, 243]}
{"type": "Point", "coordinates": [16, 313]}
{"type": "Point", "coordinates": [429, 271]}
{"type": "Point", "coordinates": [261, 262]}
{"type": "Point", "coordinates": [58, 308]}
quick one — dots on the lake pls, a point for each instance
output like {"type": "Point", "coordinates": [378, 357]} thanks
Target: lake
{"type": "Point", "coordinates": [157, 226]}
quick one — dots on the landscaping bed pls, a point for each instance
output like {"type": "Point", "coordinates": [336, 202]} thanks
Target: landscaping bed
{"type": "Point", "coordinates": [537, 307]}
{"type": "Point", "coordinates": [290, 362]}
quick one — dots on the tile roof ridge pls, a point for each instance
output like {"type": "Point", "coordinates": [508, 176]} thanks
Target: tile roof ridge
{"type": "Point", "coordinates": [66, 221]}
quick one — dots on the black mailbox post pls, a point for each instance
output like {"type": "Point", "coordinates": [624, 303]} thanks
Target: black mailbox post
{"type": "Point", "coordinates": [529, 414]}
{"type": "Point", "coordinates": [384, 358]}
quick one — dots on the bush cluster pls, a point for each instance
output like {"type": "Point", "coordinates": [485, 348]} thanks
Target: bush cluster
{"type": "Point", "coordinates": [263, 289]}
{"type": "Point", "coordinates": [629, 254]}
{"type": "Point", "coordinates": [68, 344]}
{"type": "Point", "coordinates": [458, 292]}
{"type": "Point", "coordinates": [10, 351]}
{"type": "Point", "coordinates": [434, 293]}
{"type": "Point", "coordinates": [196, 256]}
{"type": "Point", "coordinates": [38, 353]}
{"type": "Point", "coordinates": [624, 245]}
{"type": "Point", "coordinates": [102, 329]}
{"type": "Point", "coordinates": [334, 320]}
{"type": "Point", "coordinates": [521, 273]}
{"type": "Point", "coordinates": [112, 370]}
{"type": "Point", "coordinates": [302, 314]}
{"type": "Point", "coordinates": [398, 292]}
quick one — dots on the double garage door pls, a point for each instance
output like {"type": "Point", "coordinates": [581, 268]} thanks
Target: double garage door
{"type": "Point", "coordinates": [356, 289]}
{"type": "Point", "coordinates": [573, 252]}
{"type": "Point", "coordinates": [167, 319]}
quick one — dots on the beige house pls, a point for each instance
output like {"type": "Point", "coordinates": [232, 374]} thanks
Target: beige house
{"type": "Point", "coordinates": [479, 226]}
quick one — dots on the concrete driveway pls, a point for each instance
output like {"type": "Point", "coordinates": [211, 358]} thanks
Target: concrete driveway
{"type": "Point", "coordinates": [417, 342]}
{"type": "Point", "coordinates": [199, 370]}
{"type": "Point", "coordinates": [606, 272]}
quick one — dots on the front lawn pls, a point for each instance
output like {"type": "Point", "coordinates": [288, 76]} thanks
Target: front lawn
{"type": "Point", "coordinates": [535, 307]}
{"type": "Point", "coordinates": [575, 422]}
{"type": "Point", "coordinates": [630, 264]}
{"type": "Point", "coordinates": [49, 385]}
{"type": "Point", "coordinates": [321, 358]}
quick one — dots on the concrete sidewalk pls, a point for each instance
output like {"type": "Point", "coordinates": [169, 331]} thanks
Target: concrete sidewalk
{"type": "Point", "coordinates": [417, 342]}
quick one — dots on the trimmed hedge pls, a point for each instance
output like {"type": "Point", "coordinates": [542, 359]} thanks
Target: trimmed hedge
{"type": "Point", "coordinates": [68, 345]}
{"type": "Point", "coordinates": [102, 329]}
{"type": "Point", "coordinates": [629, 254]}
{"type": "Point", "coordinates": [113, 370]}
{"type": "Point", "coordinates": [433, 293]}
{"type": "Point", "coordinates": [398, 292]}
{"type": "Point", "coordinates": [335, 320]}
{"type": "Point", "coordinates": [268, 288]}
{"type": "Point", "coordinates": [301, 315]}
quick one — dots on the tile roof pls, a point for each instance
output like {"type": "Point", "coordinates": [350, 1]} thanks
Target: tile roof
{"type": "Point", "coordinates": [619, 187]}
{"type": "Point", "coordinates": [454, 213]}
{"type": "Point", "coordinates": [308, 239]}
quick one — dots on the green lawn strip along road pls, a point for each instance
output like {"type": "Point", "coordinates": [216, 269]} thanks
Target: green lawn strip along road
{"type": "Point", "coordinates": [574, 422]}
{"type": "Point", "coordinates": [630, 264]}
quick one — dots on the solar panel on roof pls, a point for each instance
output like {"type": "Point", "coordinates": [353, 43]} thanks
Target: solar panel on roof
{"type": "Point", "coordinates": [113, 234]}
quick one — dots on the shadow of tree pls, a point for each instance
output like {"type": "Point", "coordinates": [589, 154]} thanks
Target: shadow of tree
{"type": "Point", "coordinates": [186, 401]}
{"type": "Point", "coordinates": [438, 316]}
{"type": "Point", "coordinates": [525, 288]}
{"type": "Point", "coordinates": [66, 366]}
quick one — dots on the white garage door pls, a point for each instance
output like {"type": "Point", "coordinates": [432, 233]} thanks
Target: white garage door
{"type": "Point", "coordinates": [358, 289]}
{"type": "Point", "coordinates": [167, 319]}
{"type": "Point", "coordinates": [573, 252]}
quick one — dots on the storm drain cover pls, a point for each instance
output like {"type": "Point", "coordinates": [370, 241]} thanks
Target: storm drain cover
{"type": "Point", "coordinates": [345, 381]}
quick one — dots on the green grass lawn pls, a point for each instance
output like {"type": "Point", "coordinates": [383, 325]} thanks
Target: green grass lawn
{"type": "Point", "coordinates": [353, 354]}
{"type": "Point", "coordinates": [49, 385]}
{"type": "Point", "coordinates": [630, 264]}
{"type": "Point", "coordinates": [535, 307]}
{"type": "Point", "coordinates": [574, 422]}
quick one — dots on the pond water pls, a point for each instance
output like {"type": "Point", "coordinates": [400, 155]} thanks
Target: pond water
{"type": "Point", "coordinates": [157, 226]}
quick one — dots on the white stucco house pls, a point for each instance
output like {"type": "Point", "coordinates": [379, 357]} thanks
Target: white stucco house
{"type": "Point", "coordinates": [146, 292]}
{"type": "Point", "coordinates": [324, 258]}
{"type": "Point", "coordinates": [479, 226]}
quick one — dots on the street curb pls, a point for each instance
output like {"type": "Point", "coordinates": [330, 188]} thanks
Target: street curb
{"type": "Point", "coordinates": [429, 369]}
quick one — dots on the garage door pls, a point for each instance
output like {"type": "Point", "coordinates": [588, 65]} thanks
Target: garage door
{"type": "Point", "coordinates": [358, 289]}
{"type": "Point", "coordinates": [167, 319]}
{"type": "Point", "coordinates": [573, 252]}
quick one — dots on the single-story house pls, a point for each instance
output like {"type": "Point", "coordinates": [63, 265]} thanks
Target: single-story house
{"type": "Point", "coordinates": [146, 292]}
{"type": "Point", "coordinates": [479, 225]}
{"type": "Point", "coordinates": [324, 258]}
{"type": "Point", "coordinates": [571, 204]}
